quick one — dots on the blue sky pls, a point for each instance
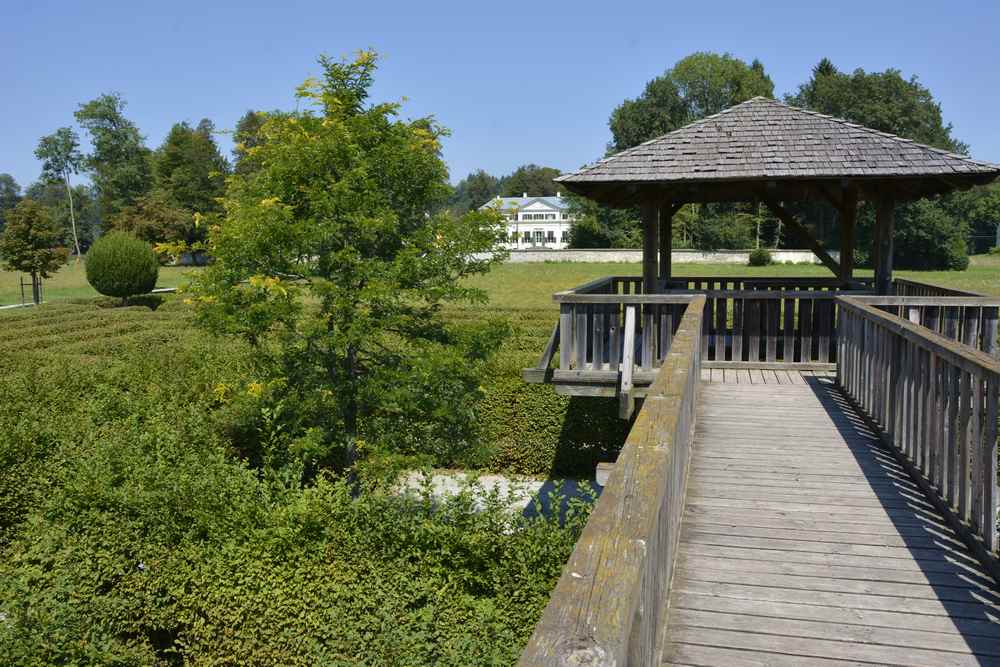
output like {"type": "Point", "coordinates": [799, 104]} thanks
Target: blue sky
{"type": "Point", "coordinates": [516, 82]}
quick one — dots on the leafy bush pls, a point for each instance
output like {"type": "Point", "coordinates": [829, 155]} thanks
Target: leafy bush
{"type": "Point", "coordinates": [133, 531]}
{"type": "Point", "coordinates": [121, 265]}
{"type": "Point", "coordinates": [729, 231]}
{"type": "Point", "coordinates": [760, 257]}
{"type": "Point", "coordinates": [994, 251]}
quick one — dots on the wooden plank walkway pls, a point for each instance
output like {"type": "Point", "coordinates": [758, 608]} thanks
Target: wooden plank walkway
{"type": "Point", "coordinates": [804, 543]}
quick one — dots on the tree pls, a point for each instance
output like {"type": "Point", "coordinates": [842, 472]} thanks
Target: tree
{"type": "Point", "coordinates": [52, 195]}
{"type": "Point", "coordinates": [699, 85]}
{"type": "Point", "coordinates": [189, 169]}
{"type": "Point", "coordinates": [887, 102]}
{"type": "Point", "coordinates": [531, 179]}
{"type": "Point", "coordinates": [329, 264]}
{"type": "Point", "coordinates": [30, 243]}
{"type": "Point", "coordinates": [883, 101]}
{"type": "Point", "coordinates": [120, 162]}
{"type": "Point", "coordinates": [60, 156]}
{"type": "Point", "coordinates": [245, 139]}
{"type": "Point", "coordinates": [10, 194]}
{"type": "Point", "coordinates": [473, 191]}
{"type": "Point", "coordinates": [154, 218]}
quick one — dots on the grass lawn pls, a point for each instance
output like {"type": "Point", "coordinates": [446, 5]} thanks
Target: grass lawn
{"type": "Point", "coordinates": [530, 286]}
{"type": "Point", "coordinates": [71, 282]}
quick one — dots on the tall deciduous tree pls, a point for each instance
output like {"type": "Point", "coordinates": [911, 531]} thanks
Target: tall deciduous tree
{"type": "Point", "coordinates": [329, 262]}
{"type": "Point", "coordinates": [532, 179]}
{"type": "Point", "coordinates": [245, 138]}
{"type": "Point", "coordinates": [10, 194]}
{"type": "Point", "coordinates": [52, 195]}
{"type": "Point", "coordinates": [61, 157]}
{"type": "Point", "coordinates": [189, 168]}
{"type": "Point", "coordinates": [699, 85]}
{"type": "Point", "coordinates": [888, 102]}
{"type": "Point", "coordinates": [120, 162]}
{"type": "Point", "coordinates": [30, 242]}
{"type": "Point", "coordinates": [473, 191]}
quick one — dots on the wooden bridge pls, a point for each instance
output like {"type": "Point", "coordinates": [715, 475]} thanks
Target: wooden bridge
{"type": "Point", "coordinates": [840, 506]}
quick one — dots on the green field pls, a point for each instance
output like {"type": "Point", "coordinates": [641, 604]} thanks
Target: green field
{"type": "Point", "coordinates": [70, 282]}
{"type": "Point", "coordinates": [532, 285]}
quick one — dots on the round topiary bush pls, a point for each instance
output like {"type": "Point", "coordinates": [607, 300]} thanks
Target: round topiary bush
{"type": "Point", "coordinates": [760, 257]}
{"type": "Point", "coordinates": [121, 265]}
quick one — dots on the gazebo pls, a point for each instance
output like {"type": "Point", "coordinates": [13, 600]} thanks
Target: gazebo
{"type": "Point", "coordinates": [758, 151]}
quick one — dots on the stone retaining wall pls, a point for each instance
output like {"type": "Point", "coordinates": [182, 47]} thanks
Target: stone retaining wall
{"type": "Point", "coordinates": [678, 257]}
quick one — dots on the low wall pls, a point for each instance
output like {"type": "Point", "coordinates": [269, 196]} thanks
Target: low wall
{"type": "Point", "coordinates": [679, 256]}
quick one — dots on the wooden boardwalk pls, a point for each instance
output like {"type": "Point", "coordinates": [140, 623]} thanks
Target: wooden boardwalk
{"type": "Point", "coordinates": [803, 542]}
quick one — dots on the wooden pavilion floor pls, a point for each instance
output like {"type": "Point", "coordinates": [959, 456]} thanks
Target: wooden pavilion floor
{"type": "Point", "coordinates": [804, 543]}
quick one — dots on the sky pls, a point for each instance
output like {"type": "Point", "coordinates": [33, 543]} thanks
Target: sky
{"type": "Point", "coordinates": [516, 82]}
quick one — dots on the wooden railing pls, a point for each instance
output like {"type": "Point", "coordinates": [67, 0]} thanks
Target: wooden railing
{"type": "Point", "coordinates": [905, 287]}
{"type": "Point", "coordinates": [745, 321]}
{"type": "Point", "coordinates": [609, 606]}
{"type": "Point", "coordinates": [972, 320]}
{"type": "Point", "coordinates": [935, 402]}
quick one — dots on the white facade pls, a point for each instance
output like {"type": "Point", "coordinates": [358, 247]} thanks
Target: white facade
{"type": "Point", "coordinates": [534, 222]}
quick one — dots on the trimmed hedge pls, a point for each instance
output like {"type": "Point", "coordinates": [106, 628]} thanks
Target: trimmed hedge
{"type": "Point", "coordinates": [121, 265]}
{"type": "Point", "coordinates": [131, 534]}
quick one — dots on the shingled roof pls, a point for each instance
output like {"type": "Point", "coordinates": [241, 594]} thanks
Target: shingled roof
{"type": "Point", "coordinates": [765, 140]}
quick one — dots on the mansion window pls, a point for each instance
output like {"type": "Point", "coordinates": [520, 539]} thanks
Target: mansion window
{"type": "Point", "coordinates": [551, 238]}
{"type": "Point", "coordinates": [538, 236]}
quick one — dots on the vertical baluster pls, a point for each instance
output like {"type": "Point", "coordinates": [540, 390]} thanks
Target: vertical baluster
{"type": "Point", "coordinates": [739, 312]}
{"type": "Point", "coordinates": [989, 458]}
{"type": "Point", "coordinates": [773, 321]}
{"type": "Point", "coordinates": [600, 337]}
{"type": "Point", "coordinates": [615, 335]}
{"type": "Point", "coordinates": [976, 445]}
{"type": "Point", "coordinates": [565, 336]}
{"type": "Point", "coordinates": [648, 337]}
{"type": "Point", "coordinates": [721, 326]}
{"type": "Point", "coordinates": [965, 445]}
{"type": "Point", "coordinates": [952, 445]}
{"type": "Point", "coordinates": [823, 334]}
{"type": "Point", "coordinates": [580, 329]}
{"type": "Point", "coordinates": [805, 329]}
{"type": "Point", "coordinates": [990, 344]}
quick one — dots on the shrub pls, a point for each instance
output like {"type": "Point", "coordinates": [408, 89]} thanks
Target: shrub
{"type": "Point", "coordinates": [121, 265]}
{"type": "Point", "coordinates": [760, 257]}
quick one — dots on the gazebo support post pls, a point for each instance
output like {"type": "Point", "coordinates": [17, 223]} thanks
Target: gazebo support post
{"type": "Point", "coordinates": [884, 220]}
{"type": "Point", "coordinates": [650, 213]}
{"type": "Point", "coordinates": [667, 212]}
{"type": "Point", "coordinates": [848, 226]}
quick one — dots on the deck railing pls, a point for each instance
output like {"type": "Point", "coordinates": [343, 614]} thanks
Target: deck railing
{"type": "Point", "coordinates": [745, 321]}
{"type": "Point", "coordinates": [609, 606]}
{"type": "Point", "coordinates": [934, 400]}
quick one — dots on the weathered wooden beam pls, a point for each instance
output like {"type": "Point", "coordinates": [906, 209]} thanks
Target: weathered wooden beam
{"type": "Point", "coordinates": [650, 213]}
{"type": "Point", "coordinates": [790, 222]}
{"type": "Point", "coordinates": [884, 221]}
{"type": "Point", "coordinates": [848, 232]}
{"type": "Point", "coordinates": [667, 212]}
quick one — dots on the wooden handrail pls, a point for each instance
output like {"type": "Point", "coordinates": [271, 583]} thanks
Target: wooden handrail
{"type": "Point", "coordinates": [967, 358]}
{"type": "Point", "coordinates": [934, 402]}
{"type": "Point", "coordinates": [609, 606]}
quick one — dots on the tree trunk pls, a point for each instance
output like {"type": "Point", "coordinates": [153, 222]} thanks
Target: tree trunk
{"type": "Point", "coordinates": [36, 289]}
{"type": "Point", "coordinates": [351, 410]}
{"type": "Point", "coordinates": [72, 215]}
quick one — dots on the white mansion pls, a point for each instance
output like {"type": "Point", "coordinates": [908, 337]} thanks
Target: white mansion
{"type": "Point", "coordinates": [534, 222]}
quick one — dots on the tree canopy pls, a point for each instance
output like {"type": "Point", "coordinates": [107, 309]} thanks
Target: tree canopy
{"type": "Point", "coordinates": [119, 164]}
{"type": "Point", "coordinates": [531, 179]}
{"type": "Point", "coordinates": [473, 191]}
{"type": "Point", "coordinates": [699, 85]}
{"type": "Point", "coordinates": [330, 263]}
{"type": "Point", "coordinates": [61, 157]}
{"type": "Point", "coordinates": [10, 194]}
{"type": "Point", "coordinates": [189, 168]}
{"type": "Point", "coordinates": [52, 195]}
{"type": "Point", "coordinates": [883, 101]}
{"type": "Point", "coordinates": [32, 243]}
